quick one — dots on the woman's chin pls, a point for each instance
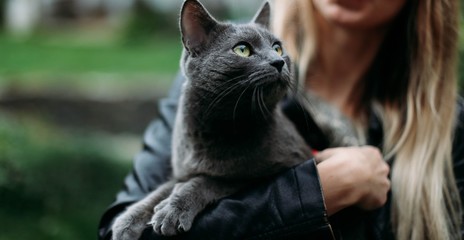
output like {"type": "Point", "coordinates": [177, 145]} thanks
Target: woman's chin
{"type": "Point", "coordinates": [359, 14]}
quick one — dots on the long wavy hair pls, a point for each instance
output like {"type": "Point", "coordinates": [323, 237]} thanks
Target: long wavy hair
{"type": "Point", "coordinates": [412, 85]}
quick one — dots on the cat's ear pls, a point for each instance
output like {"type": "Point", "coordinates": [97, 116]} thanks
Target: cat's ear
{"type": "Point", "coordinates": [263, 16]}
{"type": "Point", "coordinates": [195, 24]}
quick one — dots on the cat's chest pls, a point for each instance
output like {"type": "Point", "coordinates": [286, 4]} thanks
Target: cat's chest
{"type": "Point", "coordinates": [220, 156]}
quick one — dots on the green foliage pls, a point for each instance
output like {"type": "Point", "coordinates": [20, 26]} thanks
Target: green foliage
{"type": "Point", "coordinates": [54, 185]}
{"type": "Point", "coordinates": [146, 22]}
{"type": "Point", "coordinates": [57, 54]}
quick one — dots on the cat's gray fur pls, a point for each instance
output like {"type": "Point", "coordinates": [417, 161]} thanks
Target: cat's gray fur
{"type": "Point", "coordinates": [228, 129]}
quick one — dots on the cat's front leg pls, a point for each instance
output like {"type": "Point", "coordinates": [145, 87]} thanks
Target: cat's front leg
{"type": "Point", "coordinates": [131, 224]}
{"type": "Point", "coordinates": [175, 214]}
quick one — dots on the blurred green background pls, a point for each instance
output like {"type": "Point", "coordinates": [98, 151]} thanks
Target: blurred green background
{"type": "Point", "coordinates": [79, 81]}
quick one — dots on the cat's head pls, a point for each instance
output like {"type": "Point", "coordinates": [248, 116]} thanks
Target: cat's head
{"type": "Point", "coordinates": [236, 59]}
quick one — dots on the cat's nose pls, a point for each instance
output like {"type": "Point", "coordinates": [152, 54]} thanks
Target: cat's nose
{"type": "Point", "coordinates": [278, 64]}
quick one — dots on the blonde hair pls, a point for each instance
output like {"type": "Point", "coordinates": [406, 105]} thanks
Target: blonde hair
{"type": "Point", "coordinates": [417, 108]}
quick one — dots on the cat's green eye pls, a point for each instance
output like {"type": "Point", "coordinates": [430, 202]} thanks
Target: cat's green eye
{"type": "Point", "coordinates": [278, 49]}
{"type": "Point", "coordinates": [242, 50]}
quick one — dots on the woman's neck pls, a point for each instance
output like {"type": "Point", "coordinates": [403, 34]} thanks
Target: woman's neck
{"type": "Point", "coordinates": [342, 59]}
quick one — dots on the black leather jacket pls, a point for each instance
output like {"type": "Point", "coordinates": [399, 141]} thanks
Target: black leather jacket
{"type": "Point", "coordinates": [288, 206]}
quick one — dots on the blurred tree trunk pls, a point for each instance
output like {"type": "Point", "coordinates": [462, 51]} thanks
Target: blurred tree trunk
{"type": "Point", "coordinates": [65, 10]}
{"type": "Point", "coordinates": [2, 14]}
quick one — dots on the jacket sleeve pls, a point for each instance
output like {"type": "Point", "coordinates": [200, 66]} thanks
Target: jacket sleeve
{"type": "Point", "coordinates": [289, 205]}
{"type": "Point", "coordinates": [458, 156]}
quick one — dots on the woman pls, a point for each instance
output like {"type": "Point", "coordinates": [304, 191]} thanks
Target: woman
{"type": "Point", "coordinates": [411, 81]}
{"type": "Point", "coordinates": [388, 65]}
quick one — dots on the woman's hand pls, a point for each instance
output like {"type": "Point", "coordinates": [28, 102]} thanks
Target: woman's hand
{"type": "Point", "coordinates": [353, 176]}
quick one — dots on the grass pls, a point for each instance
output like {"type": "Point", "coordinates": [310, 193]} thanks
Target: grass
{"type": "Point", "coordinates": [80, 60]}
{"type": "Point", "coordinates": [47, 55]}
{"type": "Point", "coordinates": [54, 184]}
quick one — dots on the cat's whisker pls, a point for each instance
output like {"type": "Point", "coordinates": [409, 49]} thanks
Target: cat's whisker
{"type": "Point", "coordinates": [301, 102]}
{"type": "Point", "coordinates": [214, 92]}
{"type": "Point", "coordinates": [230, 80]}
{"type": "Point", "coordinates": [220, 91]}
{"type": "Point", "coordinates": [253, 100]}
{"type": "Point", "coordinates": [259, 103]}
{"type": "Point", "coordinates": [259, 77]}
{"type": "Point", "coordinates": [267, 112]}
{"type": "Point", "coordinates": [221, 96]}
{"type": "Point", "coordinates": [236, 104]}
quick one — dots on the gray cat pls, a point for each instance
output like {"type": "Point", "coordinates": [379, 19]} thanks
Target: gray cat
{"type": "Point", "coordinates": [228, 129]}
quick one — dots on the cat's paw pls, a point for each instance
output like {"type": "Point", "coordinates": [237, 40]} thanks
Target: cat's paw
{"type": "Point", "coordinates": [170, 219]}
{"type": "Point", "coordinates": [127, 227]}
